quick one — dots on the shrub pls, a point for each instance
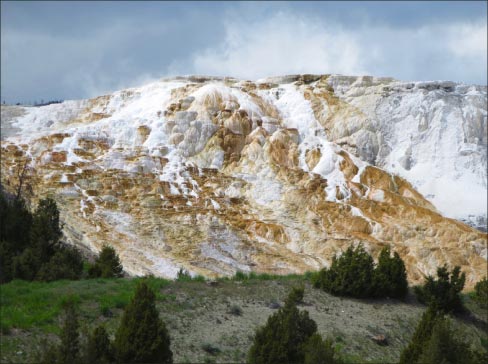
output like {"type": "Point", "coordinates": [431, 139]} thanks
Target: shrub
{"type": "Point", "coordinates": [211, 349]}
{"type": "Point", "coordinates": [142, 336]}
{"type": "Point", "coordinates": [481, 292]}
{"type": "Point", "coordinates": [235, 310]}
{"type": "Point", "coordinates": [94, 271]}
{"type": "Point", "coordinates": [349, 275]}
{"type": "Point", "coordinates": [319, 351]}
{"type": "Point", "coordinates": [240, 276]}
{"type": "Point", "coordinates": [443, 293]}
{"type": "Point", "coordinates": [390, 276]}
{"type": "Point", "coordinates": [183, 275]}
{"type": "Point", "coordinates": [198, 278]}
{"type": "Point", "coordinates": [105, 310]}
{"type": "Point", "coordinates": [283, 337]}
{"type": "Point", "coordinates": [296, 294]}
{"type": "Point", "coordinates": [107, 265]}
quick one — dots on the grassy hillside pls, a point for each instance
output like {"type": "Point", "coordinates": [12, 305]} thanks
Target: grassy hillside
{"type": "Point", "coordinates": [201, 317]}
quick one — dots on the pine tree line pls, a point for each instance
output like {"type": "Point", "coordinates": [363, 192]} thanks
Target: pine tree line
{"type": "Point", "coordinates": [31, 246]}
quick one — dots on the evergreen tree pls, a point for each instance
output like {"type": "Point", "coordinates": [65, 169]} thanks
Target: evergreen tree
{"type": "Point", "coordinates": [99, 348]}
{"type": "Point", "coordinates": [444, 347]}
{"type": "Point", "coordinates": [107, 265]}
{"type": "Point", "coordinates": [390, 276]}
{"type": "Point", "coordinates": [283, 337]}
{"type": "Point", "coordinates": [142, 336]}
{"type": "Point", "coordinates": [69, 351]}
{"type": "Point", "coordinates": [319, 351]}
{"type": "Point", "coordinates": [420, 337]}
{"type": "Point", "coordinates": [6, 262]}
{"type": "Point", "coordinates": [29, 244]}
{"type": "Point", "coordinates": [46, 231]}
{"type": "Point", "coordinates": [349, 275]}
{"type": "Point", "coordinates": [15, 222]}
{"type": "Point", "coordinates": [443, 293]}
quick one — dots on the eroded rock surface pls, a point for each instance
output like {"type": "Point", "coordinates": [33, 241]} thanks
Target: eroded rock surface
{"type": "Point", "coordinates": [219, 175]}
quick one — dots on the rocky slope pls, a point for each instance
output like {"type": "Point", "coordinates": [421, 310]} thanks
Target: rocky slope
{"type": "Point", "coordinates": [278, 175]}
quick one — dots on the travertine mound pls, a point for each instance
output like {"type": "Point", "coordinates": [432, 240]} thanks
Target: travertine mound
{"type": "Point", "coordinates": [279, 175]}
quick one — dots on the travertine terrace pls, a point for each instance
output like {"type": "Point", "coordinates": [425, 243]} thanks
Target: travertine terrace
{"type": "Point", "coordinates": [278, 175]}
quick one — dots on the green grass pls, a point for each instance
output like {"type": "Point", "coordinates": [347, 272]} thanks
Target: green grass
{"type": "Point", "coordinates": [185, 276]}
{"type": "Point", "coordinates": [245, 277]}
{"type": "Point", "coordinates": [27, 305]}
{"type": "Point", "coordinates": [36, 309]}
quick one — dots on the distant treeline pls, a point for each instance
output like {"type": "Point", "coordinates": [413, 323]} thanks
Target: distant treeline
{"type": "Point", "coordinates": [35, 103]}
{"type": "Point", "coordinates": [42, 103]}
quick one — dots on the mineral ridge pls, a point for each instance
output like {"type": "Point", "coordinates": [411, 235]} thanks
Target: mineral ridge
{"type": "Point", "coordinates": [218, 175]}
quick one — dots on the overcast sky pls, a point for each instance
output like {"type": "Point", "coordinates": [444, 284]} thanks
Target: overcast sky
{"type": "Point", "coordinates": [70, 50]}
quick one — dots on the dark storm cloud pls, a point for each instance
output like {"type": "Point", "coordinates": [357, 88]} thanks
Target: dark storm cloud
{"type": "Point", "coordinates": [81, 49]}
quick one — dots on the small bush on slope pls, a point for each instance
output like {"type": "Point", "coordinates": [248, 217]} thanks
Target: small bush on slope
{"type": "Point", "coordinates": [107, 265]}
{"type": "Point", "coordinates": [289, 336]}
{"type": "Point", "coordinates": [319, 351]}
{"type": "Point", "coordinates": [296, 294]}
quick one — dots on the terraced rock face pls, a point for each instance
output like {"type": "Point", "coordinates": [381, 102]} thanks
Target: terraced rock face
{"type": "Point", "coordinates": [279, 175]}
